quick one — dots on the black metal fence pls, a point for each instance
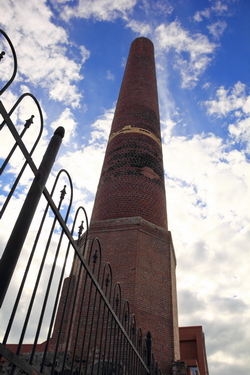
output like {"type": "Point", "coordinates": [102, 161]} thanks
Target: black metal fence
{"type": "Point", "coordinates": [60, 311]}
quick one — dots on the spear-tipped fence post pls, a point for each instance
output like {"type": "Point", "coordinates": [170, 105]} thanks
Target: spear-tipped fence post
{"type": "Point", "coordinates": [149, 350]}
{"type": "Point", "coordinates": [15, 243]}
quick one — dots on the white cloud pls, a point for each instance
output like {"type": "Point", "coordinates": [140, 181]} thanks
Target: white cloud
{"type": "Point", "coordinates": [62, 91]}
{"type": "Point", "coordinates": [229, 100]}
{"type": "Point", "coordinates": [24, 89]}
{"type": "Point", "coordinates": [61, 1]}
{"type": "Point", "coordinates": [207, 189]}
{"type": "Point", "coordinates": [197, 47]}
{"type": "Point", "coordinates": [102, 126]}
{"type": "Point", "coordinates": [235, 102]}
{"type": "Point", "coordinates": [9, 99]}
{"type": "Point", "coordinates": [217, 9]}
{"type": "Point", "coordinates": [202, 13]}
{"type": "Point", "coordinates": [168, 126]}
{"type": "Point", "coordinates": [66, 120]}
{"type": "Point", "coordinates": [240, 131]}
{"type": "Point", "coordinates": [156, 7]}
{"type": "Point", "coordinates": [23, 112]}
{"type": "Point", "coordinates": [99, 9]}
{"type": "Point", "coordinates": [207, 162]}
{"type": "Point", "coordinates": [84, 53]}
{"type": "Point", "coordinates": [141, 28]}
{"type": "Point", "coordinates": [206, 85]}
{"type": "Point", "coordinates": [41, 48]}
{"type": "Point", "coordinates": [217, 29]}
{"type": "Point", "coordinates": [92, 154]}
{"type": "Point", "coordinates": [110, 76]}
{"type": "Point", "coordinates": [164, 7]}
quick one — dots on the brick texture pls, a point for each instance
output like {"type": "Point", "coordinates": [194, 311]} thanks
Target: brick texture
{"type": "Point", "coordinates": [129, 215]}
{"type": "Point", "coordinates": [132, 177]}
{"type": "Point", "coordinates": [143, 261]}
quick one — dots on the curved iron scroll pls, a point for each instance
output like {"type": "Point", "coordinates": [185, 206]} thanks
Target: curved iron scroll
{"type": "Point", "coordinates": [15, 62]}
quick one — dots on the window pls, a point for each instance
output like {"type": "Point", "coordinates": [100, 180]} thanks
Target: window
{"type": "Point", "coordinates": [194, 371]}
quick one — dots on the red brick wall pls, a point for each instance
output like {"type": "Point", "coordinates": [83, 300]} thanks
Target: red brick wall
{"type": "Point", "coordinates": [192, 347]}
{"type": "Point", "coordinates": [143, 261]}
{"type": "Point", "coordinates": [138, 99]}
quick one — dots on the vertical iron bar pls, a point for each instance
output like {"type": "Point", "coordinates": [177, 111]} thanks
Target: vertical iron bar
{"type": "Point", "coordinates": [108, 327]}
{"type": "Point", "coordinates": [89, 291]}
{"type": "Point", "coordinates": [92, 328]}
{"type": "Point", "coordinates": [97, 330]}
{"type": "Point", "coordinates": [54, 309]}
{"type": "Point", "coordinates": [117, 309]}
{"type": "Point", "coordinates": [80, 313]}
{"type": "Point", "coordinates": [76, 287]}
{"type": "Point", "coordinates": [149, 350]}
{"type": "Point", "coordinates": [35, 289]}
{"type": "Point", "coordinates": [11, 152]}
{"type": "Point", "coordinates": [70, 283]}
{"type": "Point", "coordinates": [127, 345]}
{"type": "Point", "coordinates": [118, 301]}
{"type": "Point", "coordinates": [49, 282]}
{"type": "Point", "coordinates": [105, 340]}
{"type": "Point", "coordinates": [93, 307]}
{"type": "Point", "coordinates": [14, 246]}
{"type": "Point", "coordinates": [103, 320]}
{"type": "Point", "coordinates": [58, 288]}
{"type": "Point", "coordinates": [13, 313]}
{"type": "Point", "coordinates": [111, 322]}
{"type": "Point", "coordinates": [125, 324]}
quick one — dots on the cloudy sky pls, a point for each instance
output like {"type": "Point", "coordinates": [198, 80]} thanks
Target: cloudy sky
{"type": "Point", "coordinates": [71, 56]}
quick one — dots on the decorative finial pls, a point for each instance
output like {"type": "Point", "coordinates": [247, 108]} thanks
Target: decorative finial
{"type": "Point", "coordinates": [126, 316]}
{"type": "Point", "coordinates": [107, 280]}
{"type": "Point", "coordinates": [29, 122]}
{"type": "Point", "coordinates": [2, 55]}
{"type": "Point", "coordinates": [95, 257]}
{"type": "Point", "coordinates": [63, 192]}
{"type": "Point", "coordinates": [80, 229]}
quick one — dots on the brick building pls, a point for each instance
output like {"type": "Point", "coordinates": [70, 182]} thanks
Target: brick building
{"type": "Point", "coordinates": [193, 349]}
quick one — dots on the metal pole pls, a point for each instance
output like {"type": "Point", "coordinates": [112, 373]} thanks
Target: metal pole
{"type": "Point", "coordinates": [15, 243]}
{"type": "Point", "coordinates": [149, 350]}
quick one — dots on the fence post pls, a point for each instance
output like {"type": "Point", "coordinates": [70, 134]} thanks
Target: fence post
{"type": "Point", "coordinates": [15, 243]}
{"type": "Point", "coordinates": [149, 350]}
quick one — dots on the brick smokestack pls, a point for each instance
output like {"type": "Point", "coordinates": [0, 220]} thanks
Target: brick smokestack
{"type": "Point", "coordinates": [129, 215]}
{"type": "Point", "coordinates": [132, 178]}
{"type": "Point", "coordinates": [130, 220]}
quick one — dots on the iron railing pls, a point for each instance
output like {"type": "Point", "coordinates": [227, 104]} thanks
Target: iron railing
{"type": "Point", "coordinates": [64, 315]}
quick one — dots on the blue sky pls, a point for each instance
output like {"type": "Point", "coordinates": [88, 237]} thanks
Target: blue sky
{"type": "Point", "coordinates": [71, 57]}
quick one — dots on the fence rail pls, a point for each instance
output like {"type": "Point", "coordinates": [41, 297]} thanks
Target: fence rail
{"type": "Point", "coordinates": [58, 302]}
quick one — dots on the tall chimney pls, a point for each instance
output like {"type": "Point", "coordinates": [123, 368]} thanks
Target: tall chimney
{"type": "Point", "coordinates": [132, 177]}
{"type": "Point", "coordinates": [129, 215]}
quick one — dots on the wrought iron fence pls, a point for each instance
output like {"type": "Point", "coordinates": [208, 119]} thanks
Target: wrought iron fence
{"type": "Point", "coordinates": [58, 302]}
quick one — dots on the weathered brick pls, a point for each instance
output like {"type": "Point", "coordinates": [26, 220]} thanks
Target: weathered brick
{"type": "Point", "coordinates": [129, 215]}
